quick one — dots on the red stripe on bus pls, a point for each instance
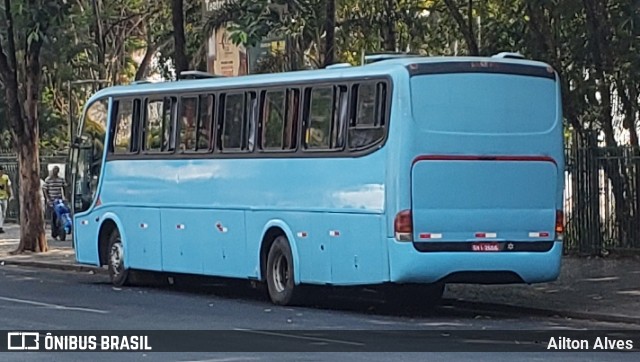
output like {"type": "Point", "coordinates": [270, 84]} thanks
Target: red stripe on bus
{"type": "Point", "coordinates": [483, 158]}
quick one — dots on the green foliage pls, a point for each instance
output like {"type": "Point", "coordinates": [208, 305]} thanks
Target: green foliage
{"type": "Point", "coordinates": [590, 56]}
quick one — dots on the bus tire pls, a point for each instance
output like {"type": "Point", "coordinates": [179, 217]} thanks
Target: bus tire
{"type": "Point", "coordinates": [118, 271]}
{"type": "Point", "coordinates": [280, 283]}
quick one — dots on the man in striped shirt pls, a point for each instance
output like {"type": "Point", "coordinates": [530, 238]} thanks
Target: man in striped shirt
{"type": "Point", "coordinates": [54, 189]}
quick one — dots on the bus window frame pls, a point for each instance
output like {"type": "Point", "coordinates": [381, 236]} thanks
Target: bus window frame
{"type": "Point", "coordinates": [245, 136]}
{"type": "Point", "coordinates": [381, 119]}
{"type": "Point", "coordinates": [257, 153]}
{"type": "Point", "coordinates": [262, 117]}
{"type": "Point", "coordinates": [172, 123]}
{"type": "Point", "coordinates": [134, 135]}
{"type": "Point", "coordinates": [336, 91]}
{"type": "Point", "coordinates": [212, 120]}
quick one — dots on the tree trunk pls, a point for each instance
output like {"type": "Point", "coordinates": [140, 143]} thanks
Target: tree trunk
{"type": "Point", "coordinates": [180, 56]}
{"type": "Point", "coordinates": [148, 57]}
{"type": "Point", "coordinates": [545, 47]}
{"type": "Point", "coordinates": [32, 233]}
{"type": "Point", "coordinates": [98, 34]}
{"type": "Point", "coordinates": [389, 40]}
{"type": "Point", "coordinates": [24, 128]}
{"type": "Point", "coordinates": [32, 236]}
{"type": "Point", "coordinates": [600, 33]}
{"type": "Point", "coordinates": [465, 28]}
{"type": "Point", "coordinates": [329, 27]}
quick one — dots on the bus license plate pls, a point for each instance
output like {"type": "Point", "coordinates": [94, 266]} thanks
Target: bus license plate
{"type": "Point", "coordinates": [485, 247]}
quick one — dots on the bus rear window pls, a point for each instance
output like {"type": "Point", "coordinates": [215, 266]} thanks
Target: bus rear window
{"type": "Point", "coordinates": [484, 103]}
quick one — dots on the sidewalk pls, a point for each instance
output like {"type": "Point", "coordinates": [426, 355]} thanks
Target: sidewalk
{"type": "Point", "coordinates": [601, 289]}
{"type": "Point", "coordinates": [61, 254]}
{"type": "Point", "coordinates": [588, 288]}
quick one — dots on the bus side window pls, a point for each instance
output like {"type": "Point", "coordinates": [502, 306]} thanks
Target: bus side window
{"type": "Point", "coordinates": [273, 120]}
{"type": "Point", "coordinates": [291, 124]}
{"type": "Point", "coordinates": [232, 121]}
{"type": "Point", "coordinates": [205, 123]}
{"type": "Point", "coordinates": [250, 121]}
{"type": "Point", "coordinates": [366, 126]}
{"type": "Point", "coordinates": [318, 118]}
{"type": "Point", "coordinates": [340, 115]}
{"type": "Point", "coordinates": [187, 121]}
{"type": "Point", "coordinates": [124, 127]}
{"type": "Point", "coordinates": [159, 125]}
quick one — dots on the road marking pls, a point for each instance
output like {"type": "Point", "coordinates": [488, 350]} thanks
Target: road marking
{"type": "Point", "coordinates": [315, 339]}
{"type": "Point", "coordinates": [53, 306]}
{"type": "Point", "coordinates": [443, 324]}
{"type": "Point", "coordinates": [228, 359]}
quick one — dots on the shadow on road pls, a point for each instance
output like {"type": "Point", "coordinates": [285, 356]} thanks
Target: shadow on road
{"type": "Point", "coordinates": [364, 300]}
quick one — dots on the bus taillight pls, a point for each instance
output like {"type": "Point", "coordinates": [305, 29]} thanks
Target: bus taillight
{"type": "Point", "coordinates": [403, 226]}
{"type": "Point", "coordinates": [559, 224]}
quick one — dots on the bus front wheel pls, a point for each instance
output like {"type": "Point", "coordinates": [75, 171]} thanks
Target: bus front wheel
{"type": "Point", "coordinates": [280, 282]}
{"type": "Point", "coordinates": [118, 272]}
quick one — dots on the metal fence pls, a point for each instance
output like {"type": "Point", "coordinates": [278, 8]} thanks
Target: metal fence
{"type": "Point", "coordinates": [9, 160]}
{"type": "Point", "coordinates": [602, 198]}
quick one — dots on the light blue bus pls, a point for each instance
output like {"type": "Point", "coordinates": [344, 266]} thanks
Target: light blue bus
{"type": "Point", "coordinates": [408, 171]}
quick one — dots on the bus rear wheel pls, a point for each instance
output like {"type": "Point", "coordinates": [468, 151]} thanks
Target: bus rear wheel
{"type": "Point", "coordinates": [118, 272]}
{"type": "Point", "coordinates": [280, 283]}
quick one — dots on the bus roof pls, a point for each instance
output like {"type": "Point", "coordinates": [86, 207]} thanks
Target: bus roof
{"type": "Point", "coordinates": [378, 68]}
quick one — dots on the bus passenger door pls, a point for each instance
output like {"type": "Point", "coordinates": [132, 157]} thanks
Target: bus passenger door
{"type": "Point", "coordinates": [85, 228]}
{"type": "Point", "coordinates": [86, 164]}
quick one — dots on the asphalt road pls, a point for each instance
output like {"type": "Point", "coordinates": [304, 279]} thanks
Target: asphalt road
{"type": "Point", "coordinates": [38, 299]}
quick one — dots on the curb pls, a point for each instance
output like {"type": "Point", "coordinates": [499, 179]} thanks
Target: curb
{"type": "Point", "coordinates": [521, 310]}
{"type": "Point", "coordinates": [57, 266]}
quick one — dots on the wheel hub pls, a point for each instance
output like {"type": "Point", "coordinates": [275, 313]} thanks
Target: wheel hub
{"type": "Point", "coordinates": [280, 273]}
{"type": "Point", "coordinates": [116, 258]}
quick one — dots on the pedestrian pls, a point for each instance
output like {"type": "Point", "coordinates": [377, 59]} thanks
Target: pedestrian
{"type": "Point", "coordinates": [6, 195]}
{"type": "Point", "coordinates": [54, 189]}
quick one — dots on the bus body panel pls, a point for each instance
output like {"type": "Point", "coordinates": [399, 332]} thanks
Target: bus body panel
{"type": "Point", "coordinates": [318, 184]}
{"type": "Point", "coordinates": [357, 245]}
{"type": "Point", "coordinates": [411, 266]}
{"type": "Point", "coordinates": [483, 200]}
{"type": "Point", "coordinates": [204, 204]}
{"type": "Point", "coordinates": [184, 247]}
{"type": "Point", "coordinates": [85, 236]}
{"type": "Point", "coordinates": [142, 229]}
{"type": "Point", "coordinates": [330, 248]}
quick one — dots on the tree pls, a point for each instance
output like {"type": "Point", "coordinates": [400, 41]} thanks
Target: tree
{"type": "Point", "coordinates": [301, 22]}
{"type": "Point", "coordinates": [329, 31]}
{"type": "Point", "coordinates": [181, 62]}
{"type": "Point", "coordinates": [21, 82]}
{"type": "Point", "coordinates": [464, 25]}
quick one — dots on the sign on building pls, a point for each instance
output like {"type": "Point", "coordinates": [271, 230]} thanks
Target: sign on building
{"type": "Point", "coordinates": [224, 57]}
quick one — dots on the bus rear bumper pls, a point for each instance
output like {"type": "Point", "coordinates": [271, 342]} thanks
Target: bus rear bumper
{"type": "Point", "coordinates": [407, 265]}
